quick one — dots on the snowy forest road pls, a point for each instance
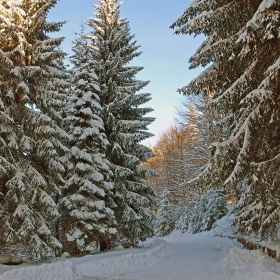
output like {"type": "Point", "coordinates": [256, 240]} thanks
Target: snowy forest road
{"type": "Point", "coordinates": [202, 257]}
{"type": "Point", "coordinates": [176, 257]}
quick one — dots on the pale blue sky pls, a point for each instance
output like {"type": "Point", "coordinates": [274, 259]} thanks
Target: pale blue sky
{"type": "Point", "coordinates": [165, 56]}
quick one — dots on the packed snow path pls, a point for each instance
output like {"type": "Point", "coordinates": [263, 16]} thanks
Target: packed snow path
{"type": "Point", "coordinates": [195, 259]}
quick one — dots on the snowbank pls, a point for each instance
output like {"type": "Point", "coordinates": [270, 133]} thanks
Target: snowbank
{"type": "Point", "coordinates": [55, 271]}
{"type": "Point", "coordinates": [158, 251]}
{"type": "Point", "coordinates": [250, 265]}
{"type": "Point", "coordinates": [105, 264]}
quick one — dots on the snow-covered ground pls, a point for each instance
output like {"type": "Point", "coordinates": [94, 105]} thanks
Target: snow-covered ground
{"type": "Point", "coordinates": [179, 256]}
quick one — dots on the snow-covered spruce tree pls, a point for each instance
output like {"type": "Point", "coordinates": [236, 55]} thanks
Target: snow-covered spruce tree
{"type": "Point", "coordinates": [165, 220]}
{"type": "Point", "coordinates": [185, 216]}
{"type": "Point", "coordinates": [203, 211]}
{"type": "Point", "coordinates": [113, 48]}
{"type": "Point", "coordinates": [208, 208]}
{"type": "Point", "coordinates": [242, 46]}
{"type": "Point", "coordinates": [32, 81]}
{"type": "Point", "coordinates": [85, 207]}
{"type": "Point", "coordinates": [216, 207]}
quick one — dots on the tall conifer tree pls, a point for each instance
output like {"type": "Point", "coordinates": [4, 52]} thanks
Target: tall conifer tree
{"type": "Point", "coordinates": [31, 141]}
{"type": "Point", "coordinates": [85, 207]}
{"type": "Point", "coordinates": [113, 48]}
